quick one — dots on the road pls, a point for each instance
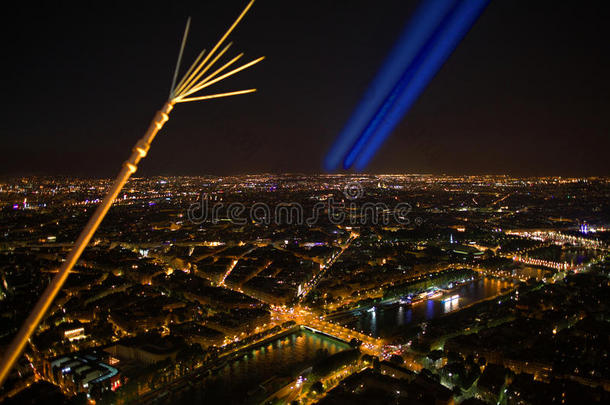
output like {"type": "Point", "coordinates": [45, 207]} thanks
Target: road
{"type": "Point", "coordinates": [307, 288]}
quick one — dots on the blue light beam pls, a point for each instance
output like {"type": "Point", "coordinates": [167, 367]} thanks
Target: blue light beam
{"type": "Point", "coordinates": [428, 40]}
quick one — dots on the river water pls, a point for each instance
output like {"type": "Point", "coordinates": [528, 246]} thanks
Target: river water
{"type": "Point", "coordinates": [288, 355]}
{"type": "Point", "coordinates": [384, 321]}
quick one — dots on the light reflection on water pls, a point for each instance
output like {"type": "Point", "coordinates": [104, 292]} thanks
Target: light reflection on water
{"type": "Point", "coordinates": [383, 321]}
{"type": "Point", "coordinates": [285, 356]}
{"type": "Point", "coordinates": [451, 305]}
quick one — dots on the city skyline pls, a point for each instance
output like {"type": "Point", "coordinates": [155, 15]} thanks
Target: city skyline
{"type": "Point", "coordinates": [316, 289]}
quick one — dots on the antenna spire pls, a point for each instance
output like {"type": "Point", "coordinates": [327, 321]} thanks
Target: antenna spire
{"type": "Point", "coordinates": [190, 83]}
{"type": "Point", "coordinates": [184, 37]}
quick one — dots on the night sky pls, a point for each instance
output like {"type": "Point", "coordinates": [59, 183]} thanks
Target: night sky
{"type": "Point", "coordinates": [527, 92]}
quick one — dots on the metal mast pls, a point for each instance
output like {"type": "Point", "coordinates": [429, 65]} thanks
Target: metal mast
{"type": "Point", "coordinates": [192, 82]}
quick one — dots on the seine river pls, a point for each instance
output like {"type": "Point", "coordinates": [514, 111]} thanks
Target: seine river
{"type": "Point", "coordinates": [383, 321]}
{"type": "Point", "coordinates": [287, 356]}
{"type": "Point", "coordinates": [294, 353]}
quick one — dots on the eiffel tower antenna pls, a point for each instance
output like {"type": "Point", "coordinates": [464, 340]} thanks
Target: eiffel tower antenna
{"type": "Point", "coordinates": [193, 81]}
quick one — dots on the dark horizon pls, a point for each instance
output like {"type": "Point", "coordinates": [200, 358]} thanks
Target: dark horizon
{"type": "Point", "coordinates": [526, 93]}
